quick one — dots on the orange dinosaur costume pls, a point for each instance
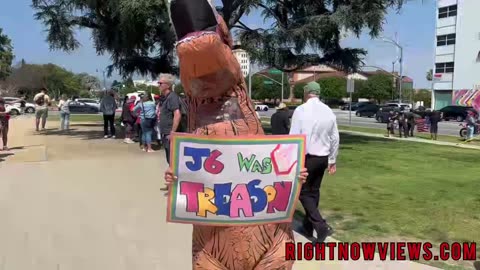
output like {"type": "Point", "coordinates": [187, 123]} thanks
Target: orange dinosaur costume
{"type": "Point", "coordinates": [218, 105]}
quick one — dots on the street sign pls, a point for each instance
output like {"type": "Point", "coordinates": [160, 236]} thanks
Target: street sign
{"type": "Point", "coordinates": [267, 82]}
{"type": "Point", "coordinates": [350, 86]}
{"type": "Point", "coordinates": [275, 71]}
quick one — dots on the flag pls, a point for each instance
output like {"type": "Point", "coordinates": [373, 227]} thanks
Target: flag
{"type": "Point", "coordinates": [422, 125]}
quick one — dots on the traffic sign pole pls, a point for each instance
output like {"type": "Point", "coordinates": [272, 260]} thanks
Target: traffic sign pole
{"type": "Point", "coordinates": [350, 89]}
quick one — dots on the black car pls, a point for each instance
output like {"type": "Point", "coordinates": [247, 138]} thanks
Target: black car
{"type": "Point", "coordinates": [346, 106]}
{"type": "Point", "coordinates": [80, 107]}
{"type": "Point", "coordinates": [458, 113]}
{"type": "Point", "coordinates": [369, 110]}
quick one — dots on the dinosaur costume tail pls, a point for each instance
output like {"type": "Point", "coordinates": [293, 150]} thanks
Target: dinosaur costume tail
{"type": "Point", "coordinates": [219, 105]}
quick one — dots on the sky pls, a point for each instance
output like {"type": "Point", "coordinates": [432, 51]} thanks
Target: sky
{"type": "Point", "coordinates": [414, 26]}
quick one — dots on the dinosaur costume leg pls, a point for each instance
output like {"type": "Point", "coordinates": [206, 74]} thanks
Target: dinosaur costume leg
{"type": "Point", "coordinates": [218, 106]}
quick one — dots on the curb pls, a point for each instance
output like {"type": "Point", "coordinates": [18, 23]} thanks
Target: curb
{"type": "Point", "coordinates": [417, 140]}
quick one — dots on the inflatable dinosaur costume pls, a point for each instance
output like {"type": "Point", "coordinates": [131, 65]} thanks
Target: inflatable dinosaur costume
{"type": "Point", "coordinates": [219, 105]}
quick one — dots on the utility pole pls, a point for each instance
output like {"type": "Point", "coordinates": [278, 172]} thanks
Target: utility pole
{"type": "Point", "coordinates": [282, 86]}
{"type": "Point", "coordinates": [400, 60]}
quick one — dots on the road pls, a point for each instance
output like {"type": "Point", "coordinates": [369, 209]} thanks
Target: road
{"type": "Point", "coordinates": [444, 128]}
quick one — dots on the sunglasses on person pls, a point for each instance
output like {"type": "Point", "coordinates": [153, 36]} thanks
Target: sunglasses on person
{"type": "Point", "coordinates": [160, 83]}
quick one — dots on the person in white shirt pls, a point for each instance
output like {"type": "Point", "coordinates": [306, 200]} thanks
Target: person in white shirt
{"type": "Point", "coordinates": [42, 102]}
{"type": "Point", "coordinates": [318, 122]}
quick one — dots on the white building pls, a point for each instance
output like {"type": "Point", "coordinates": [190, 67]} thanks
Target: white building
{"type": "Point", "coordinates": [457, 54]}
{"type": "Point", "coordinates": [244, 60]}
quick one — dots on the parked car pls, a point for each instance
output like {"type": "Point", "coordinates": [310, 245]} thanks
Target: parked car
{"type": "Point", "coordinates": [458, 113]}
{"type": "Point", "coordinates": [12, 110]}
{"type": "Point", "coordinates": [359, 105]}
{"type": "Point", "coordinates": [17, 102]}
{"type": "Point", "coordinates": [260, 107]}
{"type": "Point", "coordinates": [346, 106]}
{"type": "Point", "coordinates": [81, 107]}
{"type": "Point", "coordinates": [404, 106]}
{"type": "Point", "coordinates": [89, 101]}
{"type": "Point", "coordinates": [369, 110]}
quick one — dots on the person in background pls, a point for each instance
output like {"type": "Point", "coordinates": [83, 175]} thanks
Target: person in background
{"type": "Point", "coordinates": [390, 123]}
{"type": "Point", "coordinates": [411, 117]}
{"type": "Point", "coordinates": [471, 124]}
{"type": "Point", "coordinates": [280, 121]}
{"type": "Point", "coordinates": [158, 109]}
{"type": "Point", "coordinates": [42, 102]}
{"type": "Point", "coordinates": [402, 124]}
{"type": "Point", "coordinates": [434, 118]}
{"type": "Point", "coordinates": [4, 124]}
{"type": "Point", "coordinates": [146, 107]}
{"type": "Point", "coordinates": [63, 107]}
{"type": "Point", "coordinates": [128, 118]}
{"type": "Point", "coordinates": [137, 126]}
{"type": "Point", "coordinates": [108, 106]}
{"type": "Point", "coordinates": [170, 114]}
{"type": "Point", "coordinates": [318, 122]}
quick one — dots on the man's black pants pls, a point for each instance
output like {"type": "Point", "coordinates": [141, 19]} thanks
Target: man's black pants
{"type": "Point", "coordinates": [310, 193]}
{"type": "Point", "coordinates": [108, 121]}
{"type": "Point", "coordinates": [166, 145]}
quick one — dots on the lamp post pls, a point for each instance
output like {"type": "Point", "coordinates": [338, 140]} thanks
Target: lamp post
{"type": "Point", "coordinates": [400, 61]}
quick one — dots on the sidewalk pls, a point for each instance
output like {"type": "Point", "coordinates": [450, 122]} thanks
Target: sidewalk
{"type": "Point", "coordinates": [418, 140]}
{"type": "Point", "coordinates": [82, 202]}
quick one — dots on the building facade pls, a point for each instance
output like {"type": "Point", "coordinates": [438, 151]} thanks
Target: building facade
{"type": "Point", "coordinates": [456, 71]}
{"type": "Point", "coordinates": [244, 60]}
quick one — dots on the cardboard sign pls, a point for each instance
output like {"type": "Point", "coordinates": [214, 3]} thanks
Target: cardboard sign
{"type": "Point", "coordinates": [229, 181]}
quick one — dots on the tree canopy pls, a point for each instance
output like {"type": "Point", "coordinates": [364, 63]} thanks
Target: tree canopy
{"type": "Point", "coordinates": [27, 79]}
{"type": "Point", "coordinates": [139, 37]}
{"type": "Point", "coordinates": [378, 87]}
{"type": "Point", "coordinates": [6, 55]}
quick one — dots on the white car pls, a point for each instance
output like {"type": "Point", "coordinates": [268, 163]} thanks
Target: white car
{"type": "Point", "coordinates": [260, 107]}
{"type": "Point", "coordinates": [404, 106]}
{"type": "Point", "coordinates": [16, 102]}
{"type": "Point", "coordinates": [12, 110]}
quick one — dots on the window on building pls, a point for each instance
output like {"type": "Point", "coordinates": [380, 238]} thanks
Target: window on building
{"type": "Point", "coordinates": [444, 67]}
{"type": "Point", "coordinates": [478, 57]}
{"type": "Point", "coordinates": [445, 40]}
{"type": "Point", "coordinates": [446, 12]}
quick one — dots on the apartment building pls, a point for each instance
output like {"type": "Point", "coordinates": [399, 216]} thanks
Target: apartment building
{"type": "Point", "coordinates": [456, 70]}
{"type": "Point", "coordinates": [244, 60]}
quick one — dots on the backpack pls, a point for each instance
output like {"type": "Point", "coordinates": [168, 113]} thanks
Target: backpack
{"type": "Point", "coordinates": [40, 100]}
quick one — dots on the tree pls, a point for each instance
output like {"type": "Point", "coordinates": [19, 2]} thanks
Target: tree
{"type": "Point", "coordinates": [6, 55]}
{"type": "Point", "coordinates": [89, 82]}
{"type": "Point", "coordinates": [333, 88]}
{"type": "Point", "coordinates": [424, 95]}
{"type": "Point", "coordinates": [378, 87]}
{"type": "Point", "coordinates": [139, 37]}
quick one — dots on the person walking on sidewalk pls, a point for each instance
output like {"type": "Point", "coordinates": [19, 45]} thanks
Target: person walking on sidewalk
{"type": "Point", "coordinates": [280, 120]}
{"type": "Point", "coordinates": [128, 119]}
{"type": "Point", "coordinates": [318, 122]}
{"type": "Point", "coordinates": [42, 102]}
{"type": "Point", "coordinates": [63, 107]}
{"type": "Point", "coordinates": [433, 119]}
{"type": "Point", "coordinates": [4, 124]}
{"type": "Point", "coordinates": [108, 106]}
{"type": "Point", "coordinates": [148, 119]}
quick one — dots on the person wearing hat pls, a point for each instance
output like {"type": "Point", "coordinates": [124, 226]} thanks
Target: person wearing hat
{"type": "Point", "coordinates": [318, 122]}
{"type": "Point", "coordinates": [280, 121]}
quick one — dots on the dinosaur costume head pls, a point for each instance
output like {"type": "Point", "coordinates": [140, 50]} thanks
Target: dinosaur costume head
{"type": "Point", "coordinates": [209, 71]}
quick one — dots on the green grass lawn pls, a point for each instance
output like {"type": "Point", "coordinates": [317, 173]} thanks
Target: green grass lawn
{"type": "Point", "coordinates": [387, 190]}
{"type": "Point", "coordinates": [80, 118]}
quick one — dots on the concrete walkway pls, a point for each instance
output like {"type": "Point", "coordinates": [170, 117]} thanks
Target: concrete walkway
{"type": "Point", "coordinates": [419, 140]}
{"type": "Point", "coordinates": [78, 202]}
